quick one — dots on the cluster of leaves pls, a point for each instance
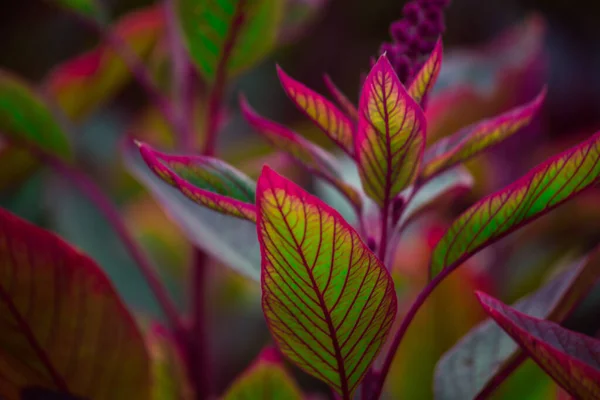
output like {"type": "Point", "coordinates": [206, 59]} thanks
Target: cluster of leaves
{"type": "Point", "coordinates": [328, 296]}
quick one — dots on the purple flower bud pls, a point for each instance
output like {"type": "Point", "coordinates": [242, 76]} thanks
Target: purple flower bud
{"type": "Point", "coordinates": [400, 31]}
{"type": "Point", "coordinates": [428, 29]}
{"type": "Point", "coordinates": [426, 46]}
{"type": "Point", "coordinates": [412, 13]}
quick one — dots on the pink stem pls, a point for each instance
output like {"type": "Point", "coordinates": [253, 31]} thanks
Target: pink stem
{"type": "Point", "coordinates": [216, 94]}
{"type": "Point", "coordinates": [412, 312]}
{"type": "Point", "coordinates": [385, 213]}
{"type": "Point", "coordinates": [87, 186]}
{"type": "Point", "coordinates": [182, 80]}
{"type": "Point", "coordinates": [134, 64]}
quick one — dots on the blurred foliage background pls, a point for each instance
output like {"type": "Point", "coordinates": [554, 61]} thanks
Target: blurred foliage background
{"type": "Point", "coordinates": [340, 42]}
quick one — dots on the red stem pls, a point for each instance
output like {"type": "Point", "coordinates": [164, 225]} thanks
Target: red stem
{"type": "Point", "coordinates": [133, 63]}
{"type": "Point", "coordinates": [383, 242]}
{"type": "Point", "coordinates": [182, 81]}
{"type": "Point", "coordinates": [216, 94]}
{"type": "Point", "coordinates": [412, 312]}
{"type": "Point", "coordinates": [87, 186]}
{"type": "Point", "coordinates": [199, 357]}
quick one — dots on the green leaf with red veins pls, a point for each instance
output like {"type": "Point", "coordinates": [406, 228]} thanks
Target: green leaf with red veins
{"type": "Point", "coordinates": [328, 301]}
{"type": "Point", "coordinates": [63, 327]}
{"type": "Point", "coordinates": [307, 154]}
{"type": "Point", "coordinates": [486, 352]}
{"type": "Point", "coordinates": [570, 358]}
{"type": "Point", "coordinates": [478, 137]}
{"type": "Point", "coordinates": [544, 188]}
{"type": "Point", "coordinates": [321, 111]}
{"type": "Point", "coordinates": [265, 379]}
{"type": "Point", "coordinates": [427, 76]}
{"type": "Point", "coordinates": [208, 181]}
{"type": "Point", "coordinates": [226, 37]}
{"type": "Point", "coordinates": [391, 135]}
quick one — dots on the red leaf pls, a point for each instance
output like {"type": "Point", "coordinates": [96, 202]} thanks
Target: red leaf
{"type": "Point", "coordinates": [63, 327]}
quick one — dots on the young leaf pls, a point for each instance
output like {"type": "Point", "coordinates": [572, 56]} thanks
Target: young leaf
{"type": "Point", "coordinates": [82, 84]}
{"type": "Point", "coordinates": [170, 379]}
{"type": "Point", "coordinates": [230, 240]}
{"type": "Point", "coordinates": [478, 137]}
{"type": "Point", "coordinates": [321, 111]}
{"type": "Point", "coordinates": [570, 358]}
{"type": "Point", "coordinates": [328, 301]}
{"type": "Point", "coordinates": [228, 36]}
{"type": "Point", "coordinates": [208, 181]}
{"type": "Point", "coordinates": [425, 79]}
{"type": "Point", "coordinates": [391, 135]}
{"type": "Point", "coordinates": [63, 327]}
{"type": "Point", "coordinates": [455, 179]}
{"type": "Point", "coordinates": [341, 98]}
{"type": "Point", "coordinates": [541, 190]}
{"type": "Point", "coordinates": [309, 155]}
{"type": "Point", "coordinates": [265, 379]}
{"type": "Point", "coordinates": [25, 117]}
{"type": "Point", "coordinates": [486, 352]}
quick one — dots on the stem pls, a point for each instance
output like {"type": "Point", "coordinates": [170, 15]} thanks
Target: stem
{"type": "Point", "coordinates": [412, 312]}
{"type": "Point", "coordinates": [87, 186]}
{"type": "Point", "coordinates": [501, 377]}
{"type": "Point", "coordinates": [216, 94]}
{"type": "Point", "coordinates": [182, 80]}
{"type": "Point", "coordinates": [133, 63]}
{"type": "Point", "coordinates": [385, 211]}
{"type": "Point", "coordinates": [198, 359]}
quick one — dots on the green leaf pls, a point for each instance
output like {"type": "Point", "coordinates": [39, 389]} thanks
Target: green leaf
{"type": "Point", "coordinates": [391, 135]}
{"type": "Point", "coordinates": [486, 352]}
{"type": "Point", "coordinates": [63, 326]}
{"type": "Point", "coordinates": [265, 379]}
{"type": "Point", "coordinates": [169, 375]}
{"type": "Point", "coordinates": [478, 137]}
{"type": "Point", "coordinates": [570, 358]}
{"type": "Point", "coordinates": [228, 36]}
{"type": "Point", "coordinates": [25, 117]}
{"type": "Point", "coordinates": [230, 240]}
{"type": "Point", "coordinates": [544, 188]}
{"type": "Point", "coordinates": [208, 181]}
{"type": "Point", "coordinates": [328, 301]}
{"type": "Point", "coordinates": [312, 157]}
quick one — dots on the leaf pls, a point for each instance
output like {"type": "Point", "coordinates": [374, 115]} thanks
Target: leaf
{"type": "Point", "coordinates": [230, 240]}
{"type": "Point", "coordinates": [88, 8]}
{"type": "Point", "coordinates": [542, 189]}
{"type": "Point", "coordinates": [228, 35]}
{"type": "Point", "coordinates": [456, 179]}
{"type": "Point", "coordinates": [341, 98]}
{"type": "Point", "coordinates": [425, 79]}
{"type": "Point", "coordinates": [265, 379]}
{"type": "Point", "coordinates": [24, 116]}
{"type": "Point", "coordinates": [63, 326]}
{"type": "Point", "coordinates": [475, 83]}
{"type": "Point", "coordinates": [486, 352]}
{"type": "Point", "coordinates": [321, 111]}
{"type": "Point", "coordinates": [170, 380]}
{"type": "Point", "coordinates": [207, 181]}
{"type": "Point", "coordinates": [391, 135]}
{"type": "Point", "coordinates": [84, 83]}
{"type": "Point", "coordinates": [307, 154]}
{"type": "Point", "coordinates": [570, 358]}
{"type": "Point", "coordinates": [328, 301]}
{"type": "Point", "coordinates": [478, 137]}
